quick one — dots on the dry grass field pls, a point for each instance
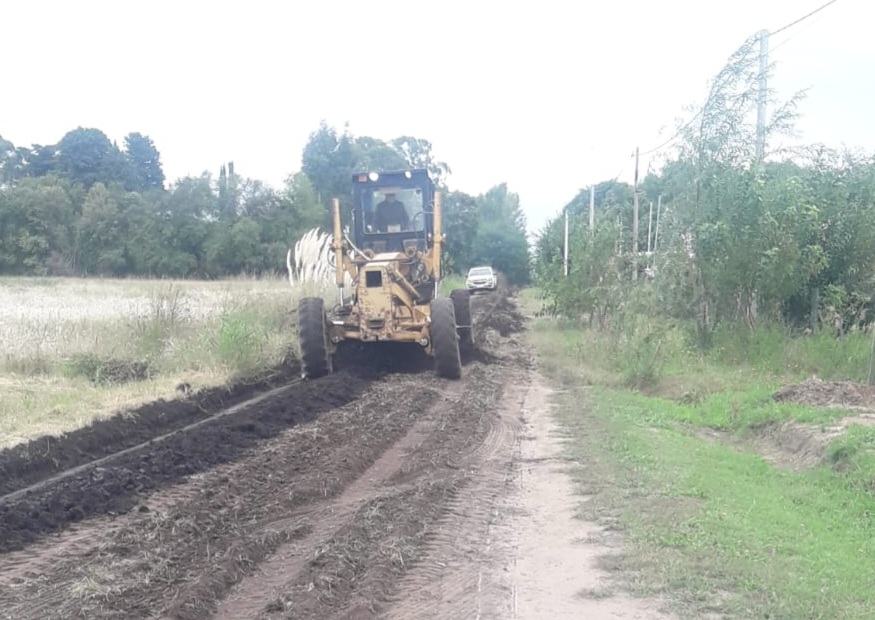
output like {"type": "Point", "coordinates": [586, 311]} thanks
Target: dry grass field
{"type": "Point", "coordinates": [78, 349]}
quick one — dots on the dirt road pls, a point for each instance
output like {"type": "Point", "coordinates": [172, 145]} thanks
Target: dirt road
{"type": "Point", "coordinates": [372, 493]}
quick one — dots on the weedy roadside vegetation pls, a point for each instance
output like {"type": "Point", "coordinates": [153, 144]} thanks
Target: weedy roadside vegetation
{"type": "Point", "coordinates": [452, 282]}
{"type": "Point", "coordinates": [686, 452]}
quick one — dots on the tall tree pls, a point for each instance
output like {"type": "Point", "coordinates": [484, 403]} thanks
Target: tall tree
{"type": "Point", "coordinates": [87, 156]}
{"type": "Point", "coordinates": [460, 223]}
{"type": "Point", "coordinates": [374, 154]}
{"type": "Point", "coordinates": [36, 227]}
{"type": "Point", "coordinates": [11, 163]}
{"type": "Point", "coordinates": [329, 160]}
{"type": "Point", "coordinates": [501, 234]}
{"type": "Point", "coordinates": [418, 154]}
{"type": "Point", "coordinates": [228, 186]}
{"type": "Point", "coordinates": [145, 162]}
{"type": "Point", "coordinates": [40, 160]}
{"type": "Point", "coordinates": [185, 225]}
{"type": "Point", "coordinates": [100, 235]}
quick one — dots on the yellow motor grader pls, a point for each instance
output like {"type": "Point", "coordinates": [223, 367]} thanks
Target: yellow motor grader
{"type": "Point", "coordinates": [392, 255]}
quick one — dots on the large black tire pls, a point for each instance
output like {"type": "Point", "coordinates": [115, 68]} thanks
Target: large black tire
{"type": "Point", "coordinates": [313, 338]}
{"type": "Point", "coordinates": [462, 305]}
{"type": "Point", "coordinates": [444, 339]}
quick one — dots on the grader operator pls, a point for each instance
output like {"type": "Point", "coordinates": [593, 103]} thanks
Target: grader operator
{"type": "Point", "coordinates": [392, 255]}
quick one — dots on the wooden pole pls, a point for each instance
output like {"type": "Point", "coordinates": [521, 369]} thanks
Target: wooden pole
{"type": "Point", "coordinates": [592, 209]}
{"type": "Point", "coordinates": [762, 93]}
{"type": "Point", "coordinates": [635, 220]}
{"type": "Point", "coordinates": [656, 232]}
{"type": "Point", "coordinates": [565, 259]}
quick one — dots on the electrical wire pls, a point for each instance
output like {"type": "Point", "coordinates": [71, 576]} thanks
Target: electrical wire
{"type": "Point", "coordinates": [803, 18]}
{"type": "Point", "coordinates": [773, 49]}
{"type": "Point", "coordinates": [599, 192]}
{"type": "Point", "coordinates": [619, 174]}
{"type": "Point", "coordinates": [674, 137]}
{"type": "Point", "coordinates": [699, 113]}
{"type": "Point", "coordinates": [794, 34]}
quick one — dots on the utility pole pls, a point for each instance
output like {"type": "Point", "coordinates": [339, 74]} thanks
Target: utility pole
{"type": "Point", "coordinates": [565, 261]}
{"type": "Point", "coordinates": [635, 220]}
{"type": "Point", "coordinates": [592, 210]}
{"type": "Point", "coordinates": [762, 95]}
{"type": "Point", "coordinates": [656, 232]}
{"type": "Point", "coordinates": [649, 226]}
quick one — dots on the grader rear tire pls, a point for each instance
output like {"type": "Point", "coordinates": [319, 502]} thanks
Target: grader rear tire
{"type": "Point", "coordinates": [444, 339]}
{"type": "Point", "coordinates": [313, 338]}
{"type": "Point", "coordinates": [462, 305]}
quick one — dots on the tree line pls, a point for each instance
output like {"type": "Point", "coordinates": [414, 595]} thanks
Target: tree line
{"type": "Point", "coordinates": [88, 207]}
{"type": "Point", "coordinates": [789, 238]}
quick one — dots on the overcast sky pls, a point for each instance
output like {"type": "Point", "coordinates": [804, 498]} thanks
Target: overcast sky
{"type": "Point", "coordinates": [548, 96]}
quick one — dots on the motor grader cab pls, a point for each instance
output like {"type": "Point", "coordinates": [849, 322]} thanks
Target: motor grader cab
{"type": "Point", "coordinates": [392, 256]}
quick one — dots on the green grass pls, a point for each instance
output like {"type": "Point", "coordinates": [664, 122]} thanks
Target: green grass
{"type": "Point", "coordinates": [704, 519]}
{"type": "Point", "coordinates": [712, 525]}
{"type": "Point", "coordinates": [772, 350]}
{"type": "Point", "coordinates": [451, 283]}
{"type": "Point", "coordinates": [661, 358]}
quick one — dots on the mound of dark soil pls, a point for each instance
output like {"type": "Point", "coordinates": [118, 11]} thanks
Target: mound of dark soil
{"type": "Point", "coordinates": [817, 393]}
{"type": "Point", "coordinates": [116, 488]}
{"type": "Point", "coordinates": [375, 359]}
{"type": "Point", "coordinates": [497, 311]}
{"type": "Point", "coordinates": [28, 463]}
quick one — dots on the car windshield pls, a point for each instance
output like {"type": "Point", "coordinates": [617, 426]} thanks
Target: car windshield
{"type": "Point", "coordinates": [480, 271]}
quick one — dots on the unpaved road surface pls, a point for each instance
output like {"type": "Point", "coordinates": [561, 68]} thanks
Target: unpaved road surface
{"type": "Point", "coordinates": [378, 492]}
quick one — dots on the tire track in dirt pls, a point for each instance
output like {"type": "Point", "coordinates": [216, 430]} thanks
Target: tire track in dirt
{"type": "Point", "coordinates": [257, 591]}
{"type": "Point", "coordinates": [17, 566]}
{"type": "Point", "coordinates": [217, 525]}
{"type": "Point", "coordinates": [448, 582]}
{"type": "Point", "coordinates": [356, 568]}
{"type": "Point", "coordinates": [546, 562]}
{"type": "Point", "coordinates": [450, 482]}
{"type": "Point", "coordinates": [211, 531]}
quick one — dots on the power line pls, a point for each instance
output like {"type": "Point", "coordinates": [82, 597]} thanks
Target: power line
{"type": "Point", "coordinates": [674, 137]}
{"type": "Point", "coordinates": [793, 35]}
{"type": "Point", "coordinates": [619, 174]}
{"type": "Point", "coordinates": [803, 18]}
{"type": "Point", "coordinates": [699, 113]}
{"type": "Point", "coordinates": [600, 191]}
{"type": "Point", "coordinates": [775, 48]}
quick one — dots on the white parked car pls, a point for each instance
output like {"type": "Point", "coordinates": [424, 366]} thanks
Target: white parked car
{"type": "Point", "coordinates": [481, 279]}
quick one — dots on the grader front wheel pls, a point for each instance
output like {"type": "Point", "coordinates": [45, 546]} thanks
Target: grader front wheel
{"type": "Point", "coordinates": [444, 339]}
{"type": "Point", "coordinates": [316, 358]}
{"type": "Point", "coordinates": [462, 306]}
